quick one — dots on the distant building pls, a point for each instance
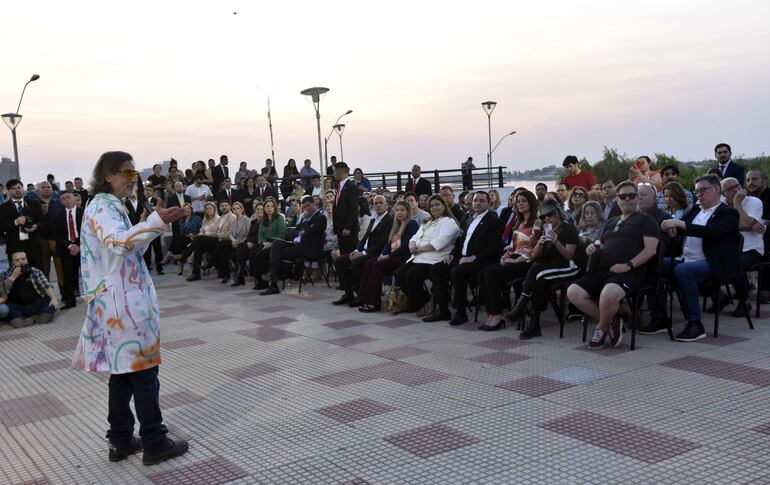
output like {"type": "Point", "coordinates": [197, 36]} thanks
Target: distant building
{"type": "Point", "coordinates": [8, 170]}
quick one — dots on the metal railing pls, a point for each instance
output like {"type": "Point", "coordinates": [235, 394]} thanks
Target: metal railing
{"type": "Point", "coordinates": [457, 178]}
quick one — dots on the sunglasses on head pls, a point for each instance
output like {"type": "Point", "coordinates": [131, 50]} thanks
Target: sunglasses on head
{"type": "Point", "coordinates": [545, 216]}
{"type": "Point", "coordinates": [631, 196]}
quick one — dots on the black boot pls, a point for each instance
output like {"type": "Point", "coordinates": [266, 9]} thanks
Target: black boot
{"type": "Point", "coordinates": [533, 329]}
{"type": "Point", "coordinates": [518, 311]}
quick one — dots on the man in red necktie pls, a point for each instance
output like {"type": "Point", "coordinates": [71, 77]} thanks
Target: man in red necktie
{"type": "Point", "coordinates": [66, 233]}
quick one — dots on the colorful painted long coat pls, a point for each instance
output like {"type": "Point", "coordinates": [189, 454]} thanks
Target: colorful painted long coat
{"type": "Point", "coordinates": [121, 331]}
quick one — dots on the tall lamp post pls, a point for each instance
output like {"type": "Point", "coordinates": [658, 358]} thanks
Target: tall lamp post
{"type": "Point", "coordinates": [501, 140]}
{"type": "Point", "coordinates": [326, 140]}
{"type": "Point", "coordinates": [340, 128]}
{"type": "Point", "coordinates": [13, 120]}
{"type": "Point", "coordinates": [489, 107]}
{"type": "Point", "coordinates": [315, 97]}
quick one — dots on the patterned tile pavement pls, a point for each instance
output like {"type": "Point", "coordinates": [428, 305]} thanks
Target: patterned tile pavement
{"type": "Point", "coordinates": [289, 389]}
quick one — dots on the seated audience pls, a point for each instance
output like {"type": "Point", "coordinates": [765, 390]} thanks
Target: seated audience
{"type": "Point", "coordinates": [433, 241]}
{"type": "Point", "coordinates": [418, 214]}
{"type": "Point", "coordinates": [270, 226]}
{"type": "Point", "coordinates": [205, 243]}
{"type": "Point", "coordinates": [350, 266]}
{"type": "Point", "coordinates": [393, 255]}
{"type": "Point", "coordinates": [515, 261]}
{"type": "Point", "coordinates": [540, 190]}
{"type": "Point", "coordinates": [610, 207]}
{"type": "Point", "coordinates": [756, 182]}
{"type": "Point", "coordinates": [362, 183]}
{"type": "Point", "coordinates": [239, 231]}
{"type": "Point", "coordinates": [30, 296]}
{"type": "Point", "coordinates": [495, 204]}
{"type": "Point", "coordinates": [674, 200]}
{"type": "Point", "coordinates": [628, 242]}
{"type": "Point", "coordinates": [670, 173]}
{"type": "Point", "coordinates": [577, 197]}
{"type": "Point", "coordinates": [189, 226]}
{"type": "Point", "coordinates": [330, 237]}
{"type": "Point", "coordinates": [478, 246]}
{"type": "Point", "coordinates": [364, 216]}
{"type": "Point", "coordinates": [553, 259]}
{"type": "Point", "coordinates": [591, 223]}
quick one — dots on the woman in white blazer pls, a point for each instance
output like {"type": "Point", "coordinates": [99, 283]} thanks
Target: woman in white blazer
{"type": "Point", "coordinates": [433, 241]}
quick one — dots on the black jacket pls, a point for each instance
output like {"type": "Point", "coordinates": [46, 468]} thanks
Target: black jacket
{"type": "Point", "coordinates": [222, 196]}
{"type": "Point", "coordinates": [9, 213]}
{"type": "Point", "coordinates": [735, 171]}
{"type": "Point", "coordinates": [133, 215]}
{"type": "Point", "coordinates": [346, 209]}
{"type": "Point", "coordinates": [423, 186]}
{"type": "Point", "coordinates": [486, 240]}
{"type": "Point", "coordinates": [264, 193]}
{"type": "Point", "coordinates": [720, 240]}
{"type": "Point", "coordinates": [60, 231]}
{"type": "Point", "coordinates": [218, 175]}
{"type": "Point", "coordinates": [312, 234]}
{"type": "Point", "coordinates": [173, 201]}
{"type": "Point", "coordinates": [377, 238]}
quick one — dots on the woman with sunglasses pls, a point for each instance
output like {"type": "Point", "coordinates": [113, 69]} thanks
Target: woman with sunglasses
{"type": "Point", "coordinates": [515, 261]}
{"type": "Point", "coordinates": [121, 332]}
{"type": "Point", "coordinates": [577, 198]}
{"type": "Point", "coordinates": [553, 258]}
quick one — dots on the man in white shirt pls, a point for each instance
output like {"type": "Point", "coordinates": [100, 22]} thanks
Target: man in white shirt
{"type": "Point", "coordinates": [752, 229]}
{"type": "Point", "coordinates": [315, 183]}
{"type": "Point", "coordinates": [199, 194]}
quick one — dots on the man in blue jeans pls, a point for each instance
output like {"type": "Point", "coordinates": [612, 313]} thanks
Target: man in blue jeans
{"type": "Point", "coordinates": [709, 249]}
{"type": "Point", "coordinates": [30, 296]}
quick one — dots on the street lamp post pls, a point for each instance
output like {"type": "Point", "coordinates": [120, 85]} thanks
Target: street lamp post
{"type": "Point", "coordinates": [501, 140]}
{"type": "Point", "coordinates": [315, 97]}
{"type": "Point", "coordinates": [13, 120]}
{"type": "Point", "coordinates": [326, 140]}
{"type": "Point", "coordinates": [489, 107]}
{"type": "Point", "coordinates": [340, 128]}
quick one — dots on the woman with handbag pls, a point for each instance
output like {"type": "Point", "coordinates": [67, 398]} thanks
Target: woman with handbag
{"type": "Point", "coordinates": [393, 255]}
{"type": "Point", "coordinates": [433, 241]}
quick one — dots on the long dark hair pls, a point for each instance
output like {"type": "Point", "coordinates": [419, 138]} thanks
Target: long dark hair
{"type": "Point", "coordinates": [108, 164]}
{"type": "Point", "coordinates": [532, 201]}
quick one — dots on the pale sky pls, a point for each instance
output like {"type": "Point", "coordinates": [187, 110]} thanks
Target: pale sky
{"type": "Point", "coordinates": [190, 80]}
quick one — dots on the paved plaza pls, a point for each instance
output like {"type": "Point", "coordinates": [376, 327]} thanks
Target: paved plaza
{"type": "Point", "coordinates": [290, 389]}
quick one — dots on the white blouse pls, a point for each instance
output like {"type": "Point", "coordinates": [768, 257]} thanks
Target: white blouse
{"type": "Point", "coordinates": [441, 234]}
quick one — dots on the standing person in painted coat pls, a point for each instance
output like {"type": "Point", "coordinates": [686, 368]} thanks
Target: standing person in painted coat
{"type": "Point", "coordinates": [120, 334]}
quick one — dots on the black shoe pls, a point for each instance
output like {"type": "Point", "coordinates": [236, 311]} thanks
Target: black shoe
{"type": "Point", "coordinates": [532, 329]}
{"type": "Point", "coordinates": [171, 450]}
{"type": "Point", "coordinates": [269, 277]}
{"type": "Point", "coordinates": [260, 285]}
{"type": "Point", "coordinates": [723, 303]}
{"type": "Point", "coordinates": [459, 318]}
{"type": "Point", "coordinates": [344, 300]}
{"type": "Point", "coordinates": [355, 303]}
{"type": "Point", "coordinates": [656, 325]}
{"type": "Point", "coordinates": [493, 328]}
{"type": "Point", "coordinates": [120, 454]}
{"type": "Point", "coordinates": [692, 331]}
{"type": "Point", "coordinates": [194, 277]}
{"type": "Point", "coordinates": [741, 310]}
{"type": "Point", "coordinates": [68, 305]}
{"type": "Point", "coordinates": [271, 290]}
{"type": "Point", "coordinates": [437, 317]}
{"type": "Point", "coordinates": [518, 311]}
{"type": "Point", "coordinates": [159, 270]}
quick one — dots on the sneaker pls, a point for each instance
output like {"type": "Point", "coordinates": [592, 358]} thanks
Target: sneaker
{"type": "Point", "coordinates": [656, 325]}
{"type": "Point", "coordinates": [616, 331]}
{"type": "Point", "coordinates": [597, 340]}
{"type": "Point", "coordinates": [43, 318]}
{"type": "Point", "coordinates": [692, 331]}
{"type": "Point", "coordinates": [172, 449]}
{"type": "Point", "coordinates": [119, 454]}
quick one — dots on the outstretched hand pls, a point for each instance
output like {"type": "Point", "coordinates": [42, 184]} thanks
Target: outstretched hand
{"type": "Point", "coordinates": [169, 214]}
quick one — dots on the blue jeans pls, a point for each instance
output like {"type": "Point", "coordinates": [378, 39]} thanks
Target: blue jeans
{"type": "Point", "coordinates": [687, 276]}
{"type": "Point", "coordinates": [42, 305]}
{"type": "Point", "coordinates": [145, 387]}
{"type": "Point", "coordinates": [4, 310]}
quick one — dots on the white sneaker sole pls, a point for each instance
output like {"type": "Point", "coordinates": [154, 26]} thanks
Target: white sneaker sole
{"type": "Point", "coordinates": [699, 337]}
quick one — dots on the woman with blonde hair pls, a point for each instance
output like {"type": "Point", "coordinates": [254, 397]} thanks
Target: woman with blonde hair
{"type": "Point", "coordinates": [495, 204]}
{"type": "Point", "coordinates": [239, 231]}
{"type": "Point", "coordinates": [393, 255]}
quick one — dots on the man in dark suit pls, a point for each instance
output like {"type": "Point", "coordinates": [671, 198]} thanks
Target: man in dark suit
{"type": "Point", "coordinates": [418, 184]}
{"type": "Point", "coordinates": [610, 206]}
{"type": "Point", "coordinates": [66, 233]}
{"type": "Point", "coordinates": [479, 246]}
{"type": "Point", "coordinates": [21, 220]}
{"type": "Point", "coordinates": [177, 199]}
{"type": "Point", "coordinates": [726, 166]}
{"type": "Point", "coordinates": [308, 242]}
{"type": "Point", "coordinates": [220, 173]}
{"type": "Point", "coordinates": [227, 194]}
{"type": "Point", "coordinates": [147, 204]}
{"type": "Point", "coordinates": [709, 249]}
{"type": "Point", "coordinates": [350, 266]}
{"type": "Point", "coordinates": [80, 190]}
{"type": "Point", "coordinates": [262, 190]}
{"type": "Point", "coordinates": [133, 208]}
{"type": "Point", "coordinates": [345, 209]}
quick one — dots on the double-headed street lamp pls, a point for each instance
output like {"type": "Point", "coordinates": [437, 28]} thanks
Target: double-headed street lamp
{"type": "Point", "coordinates": [315, 97]}
{"type": "Point", "coordinates": [13, 120]}
{"type": "Point", "coordinates": [326, 140]}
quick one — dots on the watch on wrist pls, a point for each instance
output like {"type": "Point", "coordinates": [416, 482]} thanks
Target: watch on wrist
{"type": "Point", "coordinates": [630, 264]}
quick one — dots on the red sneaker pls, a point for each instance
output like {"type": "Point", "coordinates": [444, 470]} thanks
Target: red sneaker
{"type": "Point", "coordinates": [597, 340]}
{"type": "Point", "coordinates": [616, 331]}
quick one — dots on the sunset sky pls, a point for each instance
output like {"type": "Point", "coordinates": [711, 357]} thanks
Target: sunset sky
{"type": "Point", "coordinates": [190, 80]}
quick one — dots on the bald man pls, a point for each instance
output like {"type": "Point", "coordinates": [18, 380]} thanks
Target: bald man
{"type": "Point", "coordinates": [349, 266]}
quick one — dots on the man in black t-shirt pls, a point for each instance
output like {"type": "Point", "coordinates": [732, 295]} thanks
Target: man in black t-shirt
{"type": "Point", "coordinates": [628, 242]}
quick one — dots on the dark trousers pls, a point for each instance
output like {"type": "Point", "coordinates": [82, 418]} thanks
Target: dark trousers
{"type": "Point", "coordinates": [259, 258]}
{"type": "Point", "coordinates": [144, 386]}
{"type": "Point", "coordinates": [179, 243]}
{"type": "Point", "coordinates": [410, 279]}
{"type": "Point", "coordinates": [349, 272]}
{"type": "Point", "coordinates": [43, 305]}
{"type": "Point", "coordinates": [155, 247]}
{"type": "Point", "coordinates": [749, 258]}
{"type": "Point", "coordinates": [370, 289]}
{"type": "Point", "coordinates": [200, 246]}
{"type": "Point", "coordinates": [221, 257]}
{"type": "Point", "coordinates": [540, 277]}
{"type": "Point", "coordinates": [279, 251]}
{"type": "Point", "coordinates": [241, 260]}
{"type": "Point", "coordinates": [347, 244]}
{"type": "Point", "coordinates": [493, 279]}
{"type": "Point", "coordinates": [70, 267]}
